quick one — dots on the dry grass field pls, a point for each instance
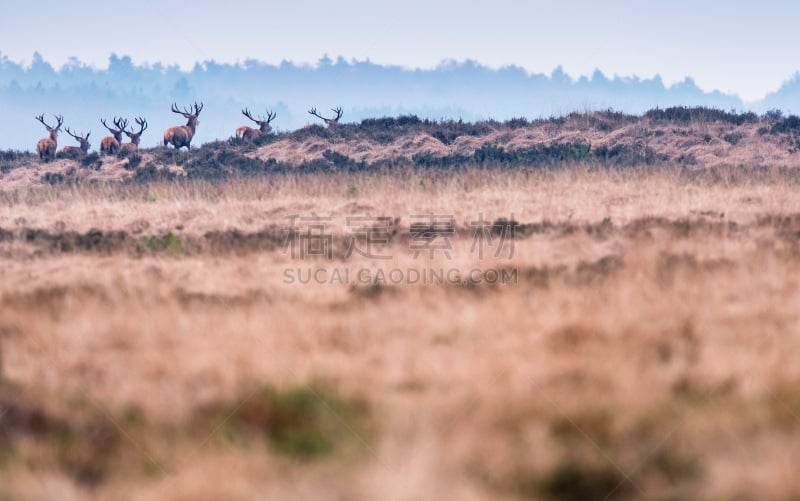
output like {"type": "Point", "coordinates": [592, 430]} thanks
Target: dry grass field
{"type": "Point", "coordinates": [156, 341]}
{"type": "Point", "coordinates": [599, 307]}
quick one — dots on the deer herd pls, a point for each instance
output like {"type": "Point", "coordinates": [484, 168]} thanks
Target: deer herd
{"type": "Point", "coordinates": [178, 136]}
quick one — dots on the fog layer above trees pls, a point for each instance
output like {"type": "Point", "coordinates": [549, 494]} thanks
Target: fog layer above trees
{"type": "Point", "coordinates": [452, 90]}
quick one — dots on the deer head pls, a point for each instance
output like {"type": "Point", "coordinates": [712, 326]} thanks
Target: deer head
{"type": "Point", "coordinates": [52, 130]}
{"type": "Point", "coordinates": [136, 136]}
{"type": "Point", "coordinates": [263, 123]}
{"type": "Point", "coordinates": [190, 114]}
{"type": "Point", "coordinates": [120, 127]}
{"type": "Point", "coordinates": [83, 140]}
{"type": "Point", "coordinates": [330, 122]}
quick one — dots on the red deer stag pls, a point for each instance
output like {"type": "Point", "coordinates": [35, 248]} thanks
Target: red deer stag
{"type": "Point", "coordinates": [330, 122]}
{"type": "Point", "coordinates": [134, 136]}
{"type": "Point", "coordinates": [75, 151]}
{"type": "Point", "coordinates": [110, 144]}
{"type": "Point", "coordinates": [47, 146]}
{"type": "Point", "coordinates": [249, 133]}
{"type": "Point", "coordinates": [181, 135]}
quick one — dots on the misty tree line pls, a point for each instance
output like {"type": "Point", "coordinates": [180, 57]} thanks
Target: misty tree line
{"type": "Point", "coordinates": [465, 90]}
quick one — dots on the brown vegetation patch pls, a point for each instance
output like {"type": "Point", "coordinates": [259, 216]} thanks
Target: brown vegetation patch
{"type": "Point", "coordinates": [591, 273]}
{"type": "Point", "coordinates": [342, 241]}
{"type": "Point", "coordinates": [53, 300]}
{"type": "Point", "coordinates": [95, 241]}
{"type": "Point", "coordinates": [193, 299]}
{"type": "Point", "coordinates": [786, 226]}
{"type": "Point", "coordinates": [304, 422]}
{"type": "Point", "coordinates": [669, 264]}
{"type": "Point", "coordinates": [84, 442]}
{"type": "Point", "coordinates": [681, 228]}
{"type": "Point", "coordinates": [584, 273]}
{"type": "Point", "coordinates": [242, 242]}
{"type": "Point", "coordinates": [372, 292]}
{"type": "Point", "coordinates": [572, 337]}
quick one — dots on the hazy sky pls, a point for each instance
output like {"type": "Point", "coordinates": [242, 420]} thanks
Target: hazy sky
{"type": "Point", "coordinates": [745, 47]}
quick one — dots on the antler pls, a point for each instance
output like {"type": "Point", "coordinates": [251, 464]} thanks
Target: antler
{"type": "Point", "coordinates": [338, 112]}
{"type": "Point", "coordinates": [41, 119]}
{"type": "Point", "coordinates": [187, 112]}
{"type": "Point", "coordinates": [79, 137]}
{"type": "Point", "coordinates": [270, 117]}
{"type": "Point", "coordinates": [117, 122]}
{"type": "Point", "coordinates": [59, 119]}
{"type": "Point", "coordinates": [142, 123]}
{"type": "Point", "coordinates": [246, 113]}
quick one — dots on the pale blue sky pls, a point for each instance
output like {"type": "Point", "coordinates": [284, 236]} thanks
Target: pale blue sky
{"type": "Point", "coordinates": [748, 48]}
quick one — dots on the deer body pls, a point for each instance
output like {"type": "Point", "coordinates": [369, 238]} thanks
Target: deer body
{"type": "Point", "coordinates": [110, 145]}
{"type": "Point", "coordinates": [135, 137]}
{"type": "Point", "coordinates": [181, 135]}
{"type": "Point", "coordinates": [47, 146]}
{"type": "Point", "coordinates": [249, 133]}
{"type": "Point", "coordinates": [77, 150]}
{"type": "Point", "coordinates": [330, 122]}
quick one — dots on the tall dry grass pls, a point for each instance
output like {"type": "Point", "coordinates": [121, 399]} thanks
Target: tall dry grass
{"type": "Point", "coordinates": [646, 350]}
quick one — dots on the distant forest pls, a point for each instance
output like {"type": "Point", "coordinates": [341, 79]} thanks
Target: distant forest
{"type": "Point", "coordinates": [453, 90]}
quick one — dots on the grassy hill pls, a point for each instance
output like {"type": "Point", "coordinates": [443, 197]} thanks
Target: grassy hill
{"type": "Point", "coordinates": [690, 138]}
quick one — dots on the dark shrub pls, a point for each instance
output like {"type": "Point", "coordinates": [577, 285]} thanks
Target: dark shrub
{"type": "Point", "coordinates": [685, 115]}
{"type": "Point", "coordinates": [92, 159]}
{"type": "Point", "coordinates": [733, 137]}
{"type": "Point", "coordinates": [150, 173]}
{"type": "Point", "coordinates": [517, 123]}
{"type": "Point", "coordinates": [408, 120]}
{"type": "Point", "coordinates": [790, 124]}
{"type": "Point", "coordinates": [303, 422]}
{"type": "Point", "coordinates": [54, 178]}
{"type": "Point", "coordinates": [133, 161]}
{"type": "Point", "coordinates": [342, 161]}
{"type": "Point", "coordinates": [579, 482]}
